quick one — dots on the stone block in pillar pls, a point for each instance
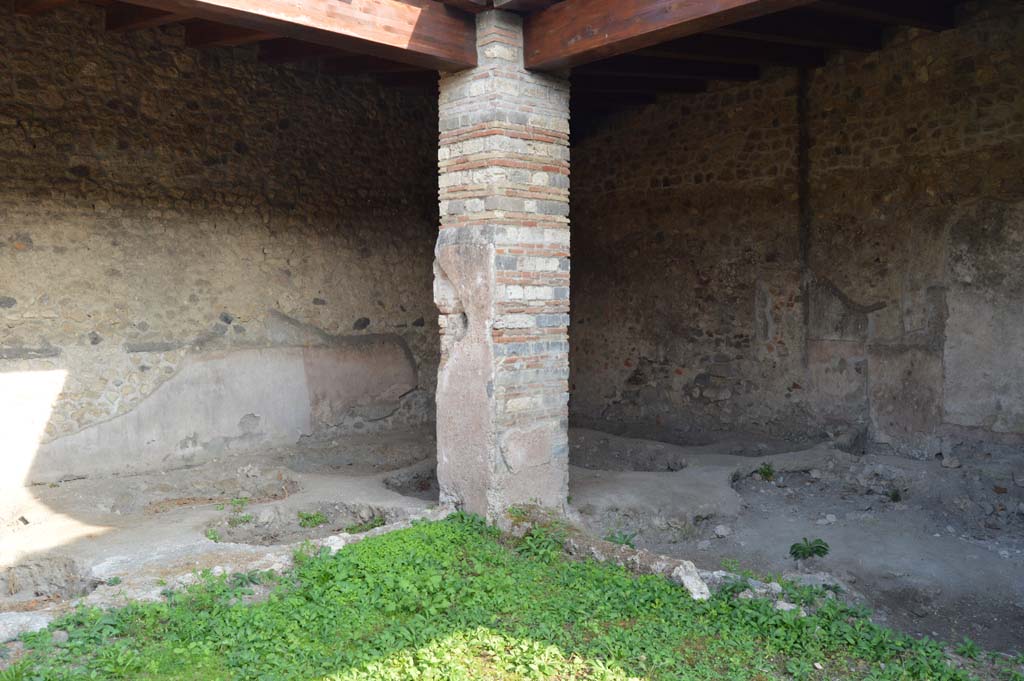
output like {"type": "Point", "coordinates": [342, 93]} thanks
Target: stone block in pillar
{"type": "Point", "coordinates": [502, 279]}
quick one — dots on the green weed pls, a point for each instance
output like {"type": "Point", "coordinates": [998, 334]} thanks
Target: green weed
{"type": "Point", "coordinates": [542, 543]}
{"type": "Point", "coordinates": [310, 520]}
{"type": "Point", "coordinates": [622, 538]}
{"type": "Point", "coordinates": [242, 580]}
{"type": "Point", "coordinates": [968, 648]}
{"type": "Point", "coordinates": [516, 514]}
{"type": "Point", "coordinates": [17, 672]}
{"type": "Point", "coordinates": [241, 519]}
{"type": "Point", "coordinates": [808, 549]}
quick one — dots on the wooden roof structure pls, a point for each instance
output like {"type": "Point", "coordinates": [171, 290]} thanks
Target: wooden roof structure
{"type": "Point", "coordinates": [618, 50]}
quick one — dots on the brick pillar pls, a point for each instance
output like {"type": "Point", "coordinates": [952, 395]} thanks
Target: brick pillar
{"type": "Point", "coordinates": [501, 279]}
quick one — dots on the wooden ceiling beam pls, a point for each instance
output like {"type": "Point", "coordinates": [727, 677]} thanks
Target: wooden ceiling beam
{"type": "Point", "coordinates": [588, 83]}
{"type": "Point", "coordinates": [933, 15]}
{"type": "Point", "coordinates": [34, 7]}
{"type": "Point", "coordinates": [737, 51]}
{"type": "Point", "coordinates": [120, 16]}
{"type": "Point", "coordinates": [576, 32]}
{"type": "Point", "coordinates": [471, 6]}
{"type": "Point", "coordinates": [640, 66]}
{"type": "Point", "coordinates": [525, 6]}
{"type": "Point", "coordinates": [202, 33]}
{"type": "Point", "coordinates": [420, 32]}
{"type": "Point", "coordinates": [806, 28]}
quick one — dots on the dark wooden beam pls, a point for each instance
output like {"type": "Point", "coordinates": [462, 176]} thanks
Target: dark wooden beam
{"type": "Point", "coordinates": [737, 51]}
{"type": "Point", "coordinates": [202, 33]}
{"type": "Point", "coordinates": [807, 28]}
{"type": "Point", "coordinates": [933, 15]}
{"type": "Point", "coordinates": [576, 32]}
{"type": "Point", "coordinates": [644, 67]}
{"type": "Point", "coordinates": [525, 6]}
{"type": "Point", "coordinates": [471, 6]}
{"type": "Point", "coordinates": [120, 16]}
{"type": "Point", "coordinates": [284, 50]}
{"type": "Point", "coordinates": [587, 83]}
{"type": "Point", "coordinates": [421, 32]}
{"type": "Point", "coordinates": [33, 7]}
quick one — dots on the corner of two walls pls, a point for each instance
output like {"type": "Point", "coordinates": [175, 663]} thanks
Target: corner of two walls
{"type": "Point", "coordinates": [795, 259]}
{"type": "Point", "coordinates": [203, 223]}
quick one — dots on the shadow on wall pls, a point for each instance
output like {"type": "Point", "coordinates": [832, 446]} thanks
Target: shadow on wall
{"type": "Point", "coordinates": [218, 402]}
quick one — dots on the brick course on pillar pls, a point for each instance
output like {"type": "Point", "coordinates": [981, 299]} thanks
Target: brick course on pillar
{"type": "Point", "coordinates": [502, 279]}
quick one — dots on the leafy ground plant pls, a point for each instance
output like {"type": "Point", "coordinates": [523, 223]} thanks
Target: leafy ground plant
{"type": "Point", "coordinates": [622, 538]}
{"type": "Point", "coordinates": [802, 550]}
{"type": "Point", "coordinates": [968, 648]}
{"type": "Point", "coordinates": [455, 600]}
{"type": "Point", "coordinates": [240, 519]}
{"type": "Point", "coordinates": [310, 520]}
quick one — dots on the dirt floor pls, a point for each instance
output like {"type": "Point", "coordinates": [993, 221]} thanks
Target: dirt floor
{"type": "Point", "coordinates": [114, 539]}
{"type": "Point", "coordinates": [935, 550]}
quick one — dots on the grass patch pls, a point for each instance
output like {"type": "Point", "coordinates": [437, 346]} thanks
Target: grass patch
{"type": "Point", "coordinates": [310, 520]}
{"type": "Point", "coordinates": [622, 538]}
{"type": "Point", "coordinates": [450, 600]}
{"type": "Point", "coordinates": [241, 519]}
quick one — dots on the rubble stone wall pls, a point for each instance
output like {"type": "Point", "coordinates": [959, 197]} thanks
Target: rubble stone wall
{"type": "Point", "coordinates": [160, 203]}
{"type": "Point", "coordinates": [794, 258]}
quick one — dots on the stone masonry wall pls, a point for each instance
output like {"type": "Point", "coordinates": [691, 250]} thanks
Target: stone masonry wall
{"type": "Point", "coordinates": [794, 260]}
{"type": "Point", "coordinates": [502, 279]}
{"type": "Point", "coordinates": [687, 263]}
{"type": "Point", "coordinates": [159, 203]}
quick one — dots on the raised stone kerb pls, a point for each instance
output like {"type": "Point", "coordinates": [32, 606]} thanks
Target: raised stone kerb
{"type": "Point", "coordinates": [502, 279]}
